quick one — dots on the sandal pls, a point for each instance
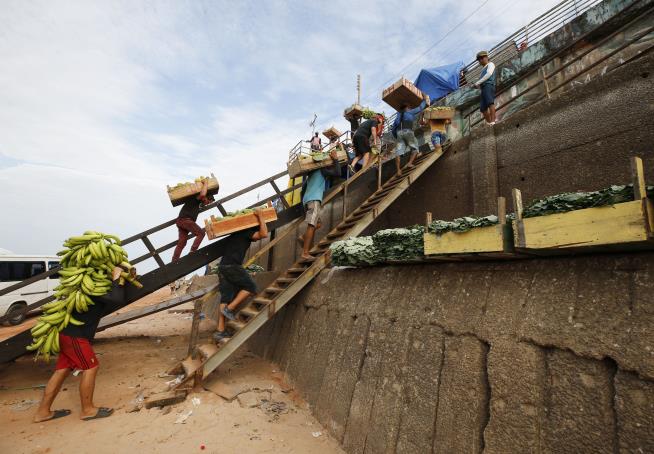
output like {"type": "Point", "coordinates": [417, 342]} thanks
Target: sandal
{"type": "Point", "coordinates": [56, 414]}
{"type": "Point", "coordinates": [103, 412]}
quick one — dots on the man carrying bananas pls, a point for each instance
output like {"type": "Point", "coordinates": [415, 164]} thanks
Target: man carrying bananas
{"type": "Point", "coordinates": [186, 221]}
{"type": "Point", "coordinates": [76, 353]}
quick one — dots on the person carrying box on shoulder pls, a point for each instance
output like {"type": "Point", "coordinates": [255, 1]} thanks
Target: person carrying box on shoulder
{"type": "Point", "coordinates": [486, 84]}
{"type": "Point", "coordinates": [186, 221]}
{"type": "Point", "coordinates": [361, 139]}
{"type": "Point", "coordinates": [235, 283]}
{"type": "Point", "coordinates": [313, 190]}
{"type": "Point", "coordinates": [402, 130]}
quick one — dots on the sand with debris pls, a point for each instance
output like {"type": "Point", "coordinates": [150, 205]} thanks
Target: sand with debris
{"type": "Point", "coordinates": [266, 416]}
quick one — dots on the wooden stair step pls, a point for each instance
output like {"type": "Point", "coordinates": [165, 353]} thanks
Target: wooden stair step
{"type": "Point", "coordinates": [296, 270]}
{"type": "Point", "coordinates": [285, 280]}
{"type": "Point", "coordinates": [207, 350]}
{"type": "Point", "coordinates": [249, 312]}
{"type": "Point", "coordinates": [235, 324]}
{"type": "Point", "coordinates": [264, 301]}
{"type": "Point", "coordinates": [273, 290]}
{"type": "Point", "coordinates": [304, 260]}
{"type": "Point", "coordinates": [335, 235]}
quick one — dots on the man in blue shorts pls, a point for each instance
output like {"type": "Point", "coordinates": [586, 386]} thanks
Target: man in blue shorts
{"type": "Point", "coordinates": [486, 84]}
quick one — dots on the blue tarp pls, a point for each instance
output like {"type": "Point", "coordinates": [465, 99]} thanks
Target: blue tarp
{"type": "Point", "coordinates": [440, 81]}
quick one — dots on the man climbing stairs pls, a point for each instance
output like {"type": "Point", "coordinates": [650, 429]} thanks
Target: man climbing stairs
{"type": "Point", "coordinates": [206, 357]}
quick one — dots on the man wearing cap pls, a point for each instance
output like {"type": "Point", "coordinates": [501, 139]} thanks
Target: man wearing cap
{"type": "Point", "coordinates": [486, 84]}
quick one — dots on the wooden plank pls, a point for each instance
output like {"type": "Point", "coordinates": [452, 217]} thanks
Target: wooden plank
{"type": "Point", "coordinates": [165, 398]}
{"type": "Point", "coordinates": [221, 227]}
{"type": "Point", "coordinates": [638, 178]}
{"type": "Point", "coordinates": [481, 239]}
{"type": "Point", "coordinates": [279, 194]}
{"type": "Point", "coordinates": [501, 210]}
{"type": "Point", "coordinates": [621, 223]}
{"type": "Point", "coordinates": [517, 203]}
{"type": "Point", "coordinates": [153, 251]}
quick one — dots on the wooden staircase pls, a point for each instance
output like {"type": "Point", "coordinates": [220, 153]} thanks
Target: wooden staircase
{"type": "Point", "coordinates": [208, 356]}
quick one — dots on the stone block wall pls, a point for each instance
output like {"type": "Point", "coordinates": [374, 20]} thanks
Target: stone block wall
{"type": "Point", "coordinates": [530, 356]}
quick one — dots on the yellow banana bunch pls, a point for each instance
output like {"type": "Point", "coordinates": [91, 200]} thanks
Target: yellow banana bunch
{"type": "Point", "coordinates": [87, 265]}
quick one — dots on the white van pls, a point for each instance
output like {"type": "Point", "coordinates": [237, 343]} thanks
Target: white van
{"type": "Point", "coordinates": [16, 268]}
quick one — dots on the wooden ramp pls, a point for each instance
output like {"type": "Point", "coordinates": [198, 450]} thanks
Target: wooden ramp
{"type": "Point", "coordinates": [207, 357]}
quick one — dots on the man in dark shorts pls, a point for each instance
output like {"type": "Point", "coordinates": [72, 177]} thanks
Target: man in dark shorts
{"type": "Point", "coordinates": [236, 285]}
{"type": "Point", "coordinates": [76, 353]}
{"type": "Point", "coordinates": [186, 221]}
{"type": "Point", "coordinates": [486, 84]}
{"type": "Point", "coordinates": [361, 139]}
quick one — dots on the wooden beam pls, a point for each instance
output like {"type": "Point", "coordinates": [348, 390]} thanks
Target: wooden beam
{"type": "Point", "coordinates": [153, 251]}
{"type": "Point", "coordinates": [281, 197]}
{"type": "Point", "coordinates": [428, 220]}
{"type": "Point", "coordinates": [501, 210]}
{"type": "Point", "coordinates": [517, 203]}
{"type": "Point", "coordinates": [638, 178]}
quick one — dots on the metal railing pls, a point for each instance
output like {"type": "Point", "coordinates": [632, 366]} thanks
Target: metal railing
{"type": "Point", "coordinates": [536, 30]}
{"type": "Point", "coordinates": [561, 78]}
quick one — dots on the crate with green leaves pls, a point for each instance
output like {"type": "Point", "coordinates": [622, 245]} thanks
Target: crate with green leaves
{"type": "Point", "coordinates": [489, 235]}
{"type": "Point", "coordinates": [303, 163]}
{"type": "Point", "coordinates": [236, 221]}
{"type": "Point", "coordinates": [181, 192]}
{"type": "Point", "coordinates": [620, 217]}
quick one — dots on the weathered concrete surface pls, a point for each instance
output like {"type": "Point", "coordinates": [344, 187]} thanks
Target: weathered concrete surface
{"type": "Point", "coordinates": [579, 140]}
{"type": "Point", "coordinates": [543, 355]}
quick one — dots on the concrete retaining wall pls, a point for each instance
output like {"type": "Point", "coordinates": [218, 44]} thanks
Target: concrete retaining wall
{"type": "Point", "coordinates": [542, 355]}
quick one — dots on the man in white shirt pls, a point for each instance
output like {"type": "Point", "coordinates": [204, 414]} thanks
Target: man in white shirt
{"type": "Point", "coordinates": [486, 84]}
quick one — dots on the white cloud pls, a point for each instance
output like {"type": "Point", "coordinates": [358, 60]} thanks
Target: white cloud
{"type": "Point", "coordinates": [104, 103]}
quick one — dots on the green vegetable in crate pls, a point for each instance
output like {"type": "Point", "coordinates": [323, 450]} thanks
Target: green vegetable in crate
{"type": "Point", "coordinates": [354, 252]}
{"type": "Point", "coordinates": [463, 224]}
{"type": "Point", "coordinates": [87, 265]}
{"type": "Point", "coordinates": [400, 244]}
{"type": "Point", "coordinates": [232, 214]}
{"type": "Point", "coordinates": [570, 201]}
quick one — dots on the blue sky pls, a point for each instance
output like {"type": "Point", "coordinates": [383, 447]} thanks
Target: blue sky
{"type": "Point", "coordinates": [104, 103]}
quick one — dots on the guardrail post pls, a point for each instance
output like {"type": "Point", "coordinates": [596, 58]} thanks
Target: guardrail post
{"type": "Point", "coordinates": [152, 250]}
{"type": "Point", "coordinates": [278, 192]}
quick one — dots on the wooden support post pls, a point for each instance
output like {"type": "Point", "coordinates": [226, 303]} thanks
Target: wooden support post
{"type": "Point", "coordinates": [222, 209]}
{"type": "Point", "coordinates": [379, 171]}
{"type": "Point", "coordinates": [501, 210]}
{"type": "Point", "coordinates": [345, 185]}
{"type": "Point", "coordinates": [638, 178]}
{"type": "Point", "coordinates": [278, 192]}
{"type": "Point", "coordinates": [271, 256]}
{"type": "Point", "coordinates": [428, 220]}
{"type": "Point", "coordinates": [517, 203]}
{"type": "Point", "coordinates": [148, 244]}
{"type": "Point", "coordinates": [547, 86]}
{"type": "Point", "coordinates": [193, 341]}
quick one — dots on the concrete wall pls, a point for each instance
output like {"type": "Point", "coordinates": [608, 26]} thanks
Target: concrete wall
{"type": "Point", "coordinates": [580, 140]}
{"type": "Point", "coordinates": [542, 355]}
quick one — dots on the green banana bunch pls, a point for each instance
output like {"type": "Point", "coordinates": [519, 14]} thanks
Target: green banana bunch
{"type": "Point", "coordinates": [86, 270]}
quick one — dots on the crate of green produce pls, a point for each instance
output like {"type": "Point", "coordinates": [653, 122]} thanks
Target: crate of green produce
{"type": "Point", "coordinates": [490, 235]}
{"type": "Point", "coordinates": [354, 111]}
{"type": "Point", "coordinates": [438, 113]}
{"type": "Point", "coordinates": [237, 221]}
{"type": "Point", "coordinates": [181, 192]}
{"type": "Point", "coordinates": [402, 92]}
{"type": "Point", "coordinates": [620, 217]}
{"type": "Point", "coordinates": [305, 163]}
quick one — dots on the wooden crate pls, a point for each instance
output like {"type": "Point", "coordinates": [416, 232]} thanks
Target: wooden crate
{"type": "Point", "coordinates": [354, 111]}
{"type": "Point", "coordinates": [494, 239]}
{"type": "Point", "coordinates": [437, 125]}
{"type": "Point", "coordinates": [304, 164]}
{"type": "Point", "coordinates": [438, 114]}
{"type": "Point", "coordinates": [332, 133]}
{"type": "Point", "coordinates": [220, 227]}
{"type": "Point", "coordinates": [402, 92]}
{"type": "Point", "coordinates": [181, 194]}
{"type": "Point", "coordinates": [623, 226]}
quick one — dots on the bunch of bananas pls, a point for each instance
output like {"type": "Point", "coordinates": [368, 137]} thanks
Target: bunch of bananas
{"type": "Point", "coordinates": [87, 265]}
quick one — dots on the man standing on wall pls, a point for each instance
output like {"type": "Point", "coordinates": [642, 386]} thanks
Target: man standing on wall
{"type": "Point", "coordinates": [486, 84]}
{"type": "Point", "coordinates": [316, 143]}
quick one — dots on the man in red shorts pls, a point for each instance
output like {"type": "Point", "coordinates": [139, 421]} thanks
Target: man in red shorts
{"type": "Point", "coordinates": [76, 353]}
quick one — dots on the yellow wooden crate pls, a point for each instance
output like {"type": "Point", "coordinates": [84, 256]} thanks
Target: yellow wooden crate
{"type": "Point", "coordinates": [217, 227]}
{"type": "Point", "coordinates": [494, 238]}
{"type": "Point", "coordinates": [629, 223]}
